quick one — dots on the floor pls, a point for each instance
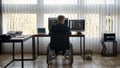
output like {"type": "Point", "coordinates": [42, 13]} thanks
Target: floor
{"type": "Point", "coordinates": [60, 62]}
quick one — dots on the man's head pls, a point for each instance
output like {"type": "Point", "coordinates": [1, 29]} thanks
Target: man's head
{"type": "Point", "coordinates": [61, 19]}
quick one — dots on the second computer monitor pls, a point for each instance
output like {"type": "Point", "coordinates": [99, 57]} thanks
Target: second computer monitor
{"type": "Point", "coordinates": [77, 25]}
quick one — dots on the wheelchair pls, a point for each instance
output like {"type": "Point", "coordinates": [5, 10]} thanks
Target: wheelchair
{"type": "Point", "coordinates": [63, 47]}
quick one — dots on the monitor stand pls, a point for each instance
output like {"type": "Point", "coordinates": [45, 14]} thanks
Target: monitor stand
{"type": "Point", "coordinates": [79, 33]}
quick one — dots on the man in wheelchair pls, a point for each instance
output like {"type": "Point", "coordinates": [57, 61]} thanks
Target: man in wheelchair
{"type": "Point", "coordinates": [59, 41]}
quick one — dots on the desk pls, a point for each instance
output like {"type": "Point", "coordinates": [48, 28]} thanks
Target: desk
{"type": "Point", "coordinates": [19, 40]}
{"type": "Point", "coordinates": [82, 46]}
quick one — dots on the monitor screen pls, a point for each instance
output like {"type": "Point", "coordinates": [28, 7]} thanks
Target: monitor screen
{"type": "Point", "coordinates": [77, 25]}
{"type": "Point", "coordinates": [53, 21]}
{"type": "Point", "coordinates": [41, 30]}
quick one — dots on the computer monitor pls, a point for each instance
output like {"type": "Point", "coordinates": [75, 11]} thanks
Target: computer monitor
{"type": "Point", "coordinates": [53, 21]}
{"type": "Point", "coordinates": [41, 30]}
{"type": "Point", "coordinates": [77, 25]}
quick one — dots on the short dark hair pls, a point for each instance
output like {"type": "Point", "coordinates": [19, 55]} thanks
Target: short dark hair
{"type": "Point", "coordinates": [61, 17]}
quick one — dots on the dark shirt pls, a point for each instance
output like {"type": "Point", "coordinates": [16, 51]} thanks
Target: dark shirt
{"type": "Point", "coordinates": [60, 29]}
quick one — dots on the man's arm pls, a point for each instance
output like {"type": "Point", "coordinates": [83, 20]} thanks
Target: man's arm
{"type": "Point", "coordinates": [52, 29]}
{"type": "Point", "coordinates": [68, 30]}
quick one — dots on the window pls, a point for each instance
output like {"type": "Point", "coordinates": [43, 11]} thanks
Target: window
{"type": "Point", "coordinates": [109, 23]}
{"type": "Point", "coordinates": [20, 22]}
{"type": "Point", "coordinates": [92, 25]}
{"type": "Point", "coordinates": [95, 2]}
{"type": "Point", "coordinates": [19, 1]}
{"type": "Point", "coordinates": [110, 1]}
{"type": "Point", "coordinates": [59, 2]}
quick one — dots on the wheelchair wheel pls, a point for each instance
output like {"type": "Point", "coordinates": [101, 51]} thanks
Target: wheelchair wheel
{"type": "Point", "coordinates": [50, 53]}
{"type": "Point", "coordinates": [69, 55]}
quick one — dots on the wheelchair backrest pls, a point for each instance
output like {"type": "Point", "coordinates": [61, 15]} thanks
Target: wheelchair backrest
{"type": "Point", "coordinates": [59, 41]}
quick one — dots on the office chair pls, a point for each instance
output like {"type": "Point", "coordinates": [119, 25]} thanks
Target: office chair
{"type": "Point", "coordinates": [59, 45]}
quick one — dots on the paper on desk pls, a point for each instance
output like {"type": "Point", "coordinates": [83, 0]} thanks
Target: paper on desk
{"type": "Point", "coordinates": [20, 37]}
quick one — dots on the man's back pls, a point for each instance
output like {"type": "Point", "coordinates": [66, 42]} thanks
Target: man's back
{"type": "Point", "coordinates": [60, 29]}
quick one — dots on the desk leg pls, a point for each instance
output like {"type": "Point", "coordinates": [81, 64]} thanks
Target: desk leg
{"type": "Point", "coordinates": [37, 45]}
{"type": "Point", "coordinates": [84, 48]}
{"type": "Point", "coordinates": [114, 48]}
{"type": "Point", "coordinates": [80, 45]}
{"type": "Point", "coordinates": [22, 55]}
{"type": "Point", "coordinates": [103, 49]}
{"type": "Point", "coordinates": [13, 51]}
{"type": "Point", "coordinates": [33, 47]}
